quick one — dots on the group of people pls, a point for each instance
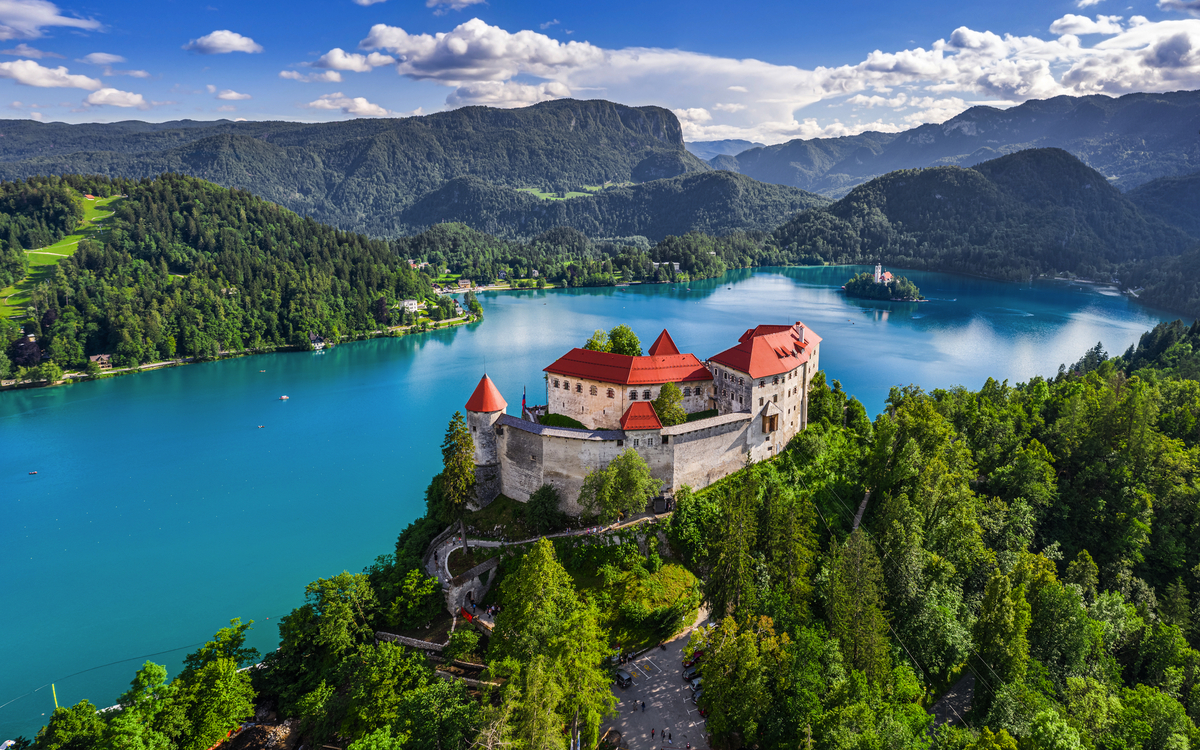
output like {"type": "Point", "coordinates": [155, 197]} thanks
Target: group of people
{"type": "Point", "coordinates": [664, 736]}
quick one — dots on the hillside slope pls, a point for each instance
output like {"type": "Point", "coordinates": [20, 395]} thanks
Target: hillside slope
{"type": "Point", "coordinates": [1175, 200]}
{"type": "Point", "coordinates": [362, 174]}
{"type": "Point", "coordinates": [712, 202]}
{"type": "Point", "coordinates": [1130, 140]}
{"type": "Point", "coordinates": [1035, 211]}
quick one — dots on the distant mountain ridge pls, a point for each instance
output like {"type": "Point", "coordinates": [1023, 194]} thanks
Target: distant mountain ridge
{"type": "Point", "coordinates": [1175, 200]}
{"type": "Point", "coordinates": [362, 174]}
{"type": "Point", "coordinates": [706, 150]}
{"type": "Point", "coordinates": [1131, 140]}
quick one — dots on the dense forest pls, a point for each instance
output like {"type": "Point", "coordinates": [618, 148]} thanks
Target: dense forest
{"type": "Point", "coordinates": [1038, 538]}
{"type": "Point", "coordinates": [712, 202]}
{"type": "Point", "coordinates": [1175, 200]}
{"type": "Point", "coordinates": [361, 174]}
{"type": "Point", "coordinates": [189, 269]}
{"type": "Point", "coordinates": [33, 213]}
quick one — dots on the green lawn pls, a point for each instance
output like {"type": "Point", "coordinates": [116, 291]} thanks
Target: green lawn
{"type": "Point", "coordinates": [552, 196]}
{"type": "Point", "coordinates": [42, 260]}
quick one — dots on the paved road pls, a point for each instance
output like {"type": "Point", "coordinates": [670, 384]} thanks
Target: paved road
{"type": "Point", "coordinates": [956, 702]}
{"type": "Point", "coordinates": [658, 680]}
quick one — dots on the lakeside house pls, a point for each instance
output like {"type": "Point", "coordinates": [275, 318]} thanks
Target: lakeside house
{"type": "Point", "coordinates": [411, 305]}
{"type": "Point", "coordinates": [317, 342]}
{"type": "Point", "coordinates": [103, 360]}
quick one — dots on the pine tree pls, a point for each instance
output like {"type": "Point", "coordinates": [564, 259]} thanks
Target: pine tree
{"type": "Point", "coordinates": [458, 466]}
{"type": "Point", "coordinates": [857, 617]}
{"type": "Point", "coordinates": [730, 588]}
{"type": "Point", "coordinates": [1001, 643]}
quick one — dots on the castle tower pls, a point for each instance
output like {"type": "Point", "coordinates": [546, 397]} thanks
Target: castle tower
{"type": "Point", "coordinates": [485, 406]}
{"type": "Point", "coordinates": [878, 273]}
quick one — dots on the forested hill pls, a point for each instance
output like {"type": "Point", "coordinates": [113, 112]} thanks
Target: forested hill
{"type": "Point", "coordinates": [1036, 211]}
{"type": "Point", "coordinates": [192, 269]}
{"type": "Point", "coordinates": [362, 174]}
{"type": "Point", "coordinates": [1175, 200]}
{"type": "Point", "coordinates": [712, 202]}
{"type": "Point", "coordinates": [1130, 140]}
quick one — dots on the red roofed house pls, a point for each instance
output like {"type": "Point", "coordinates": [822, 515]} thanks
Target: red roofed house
{"type": "Point", "coordinates": [597, 388]}
{"type": "Point", "coordinates": [768, 374]}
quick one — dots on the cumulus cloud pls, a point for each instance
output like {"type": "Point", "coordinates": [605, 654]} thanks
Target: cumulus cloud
{"type": "Point", "coordinates": [25, 19]}
{"type": "Point", "coordinates": [357, 106]}
{"type": "Point", "coordinates": [338, 59]}
{"type": "Point", "coordinates": [766, 102]}
{"type": "Point", "coordinates": [31, 73]}
{"type": "Point", "coordinates": [440, 7]}
{"type": "Point", "coordinates": [1081, 25]}
{"type": "Point", "coordinates": [221, 42]}
{"type": "Point", "coordinates": [325, 76]}
{"type": "Point", "coordinates": [230, 95]}
{"type": "Point", "coordinates": [116, 98]}
{"type": "Point", "coordinates": [101, 58]}
{"type": "Point", "coordinates": [24, 50]}
{"type": "Point", "coordinates": [1191, 7]}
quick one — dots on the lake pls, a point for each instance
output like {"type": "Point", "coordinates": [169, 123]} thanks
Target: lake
{"type": "Point", "coordinates": [160, 509]}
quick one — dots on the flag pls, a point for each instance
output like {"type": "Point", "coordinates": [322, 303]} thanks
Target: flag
{"type": "Point", "coordinates": [522, 402]}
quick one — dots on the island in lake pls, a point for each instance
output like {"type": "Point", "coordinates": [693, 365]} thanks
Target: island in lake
{"type": "Point", "coordinates": [882, 285]}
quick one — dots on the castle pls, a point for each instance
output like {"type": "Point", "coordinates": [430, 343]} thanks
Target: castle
{"type": "Point", "coordinates": [758, 389]}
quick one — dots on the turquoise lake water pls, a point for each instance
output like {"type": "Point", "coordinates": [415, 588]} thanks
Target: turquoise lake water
{"type": "Point", "coordinates": [160, 510]}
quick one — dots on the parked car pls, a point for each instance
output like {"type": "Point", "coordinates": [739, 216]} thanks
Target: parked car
{"type": "Point", "coordinates": [696, 696]}
{"type": "Point", "coordinates": [699, 654]}
{"type": "Point", "coordinates": [691, 673]}
{"type": "Point", "coordinates": [696, 683]}
{"type": "Point", "coordinates": [624, 679]}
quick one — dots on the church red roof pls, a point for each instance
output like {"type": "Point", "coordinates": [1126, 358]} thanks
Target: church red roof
{"type": "Point", "coordinates": [769, 350]}
{"type": "Point", "coordinates": [640, 416]}
{"type": "Point", "coordinates": [625, 370]}
{"type": "Point", "coordinates": [486, 397]}
{"type": "Point", "coordinates": [663, 345]}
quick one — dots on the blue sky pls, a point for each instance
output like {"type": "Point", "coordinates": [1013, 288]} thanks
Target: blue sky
{"type": "Point", "coordinates": [766, 72]}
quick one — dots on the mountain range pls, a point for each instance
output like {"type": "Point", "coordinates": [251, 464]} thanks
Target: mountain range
{"type": "Point", "coordinates": [1131, 140]}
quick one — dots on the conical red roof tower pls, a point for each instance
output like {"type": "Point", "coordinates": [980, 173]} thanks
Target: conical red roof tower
{"type": "Point", "coordinates": [486, 397]}
{"type": "Point", "coordinates": [663, 345]}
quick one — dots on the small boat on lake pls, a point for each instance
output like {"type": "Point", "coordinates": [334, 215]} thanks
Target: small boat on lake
{"type": "Point", "coordinates": [32, 473]}
{"type": "Point", "coordinates": [283, 398]}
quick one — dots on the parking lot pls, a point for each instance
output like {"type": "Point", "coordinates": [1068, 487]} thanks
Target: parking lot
{"type": "Point", "coordinates": [658, 680]}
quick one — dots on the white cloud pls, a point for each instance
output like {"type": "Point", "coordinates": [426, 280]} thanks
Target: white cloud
{"type": "Point", "coordinates": [230, 95]}
{"type": "Point", "coordinates": [506, 93]}
{"type": "Point", "coordinates": [24, 50]}
{"type": "Point", "coordinates": [1191, 7]}
{"type": "Point", "coordinates": [101, 58]}
{"type": "Point", "coordinates": [116, 98]}
{"type": "Point", "coordinates": [442, 6]}
{"type": "Point", "coordinates": [1080, 25]}
{"type": "Point", "coordinates": [221, 42]}
{"type": "Point", "coordinates": [548, 24]}
{"type": "Point", "coordinates": [25, 19]}
{"type": "Point", "coordinates": [357, 106]}
{"type": "Point", "coordinates": [485, 64]}
{"type": "Point", "coordinates": [367, 2]}
{"type": "Point", "coordinates": [227, 108]}
{"type": "Point", "coordinates": [1087, 3]}
{"type": "Point", "coordinates": [32, 74]}
{"type": "Point", "coordinates": [325, 76]}
{"type": "Point", "coordinates": [338, 59]}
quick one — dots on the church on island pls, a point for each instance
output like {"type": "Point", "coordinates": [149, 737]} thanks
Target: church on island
{"type": "Point", "coordinates": [756, 393]}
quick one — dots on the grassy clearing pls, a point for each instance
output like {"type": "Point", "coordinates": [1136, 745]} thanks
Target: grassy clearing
{"type": "Point", "coordinates": [42, 260]}
{"type": "Point", "coordinates": [560, 420]}
{"type": "Point", "coordinates": [702, 415]}
{"type": "Point", "coordinates": [627, 599]}
{"type": "Point", "coordinates": [553, 196]}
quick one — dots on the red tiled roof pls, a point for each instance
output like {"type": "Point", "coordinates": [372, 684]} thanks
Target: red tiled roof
{"type": "Point", "coordinates": [622, 369]}
{"type": "Point", "coordinates": [486, 397]}
{"type": "Point", "coordinates": [769, 350]}
{"type": "Point", "coordinates": [640, 416]}
{"type": "Point", "coordinates": [663, 345]}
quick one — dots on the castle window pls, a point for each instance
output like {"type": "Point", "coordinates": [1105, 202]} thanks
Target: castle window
{"type": "Point", "coordinates": [620, 443]}
{"type": "Point", "coordinates": [741, 381]}
{"type": "Point", "coordinates": [567, 385]}
{"type": "Point", "coordinates": [775, 398]}
{"type": "Point", "coordinates": [579, 387]}
{"type": "Point", "coordinates": [612, 393]}
{"type": "Point", "coordinates": [633, 395]}
{"type": "Point", "coordinates": [473, 429]}
{"type": "Point", "coordinates": [761, 383]}
{"type": "Point", "coordinates": [760, 401]}
{"type": "Point", "coordinates": [637, 443]}
{"type": "Point", "coordinates": [687, 392]}
{"type": "Point", "coordinates": [645, 395]}
{"type": "Point", "coordinates": [666, 439]}
{"type": "Point", "coordinates": [556, 382]}
{"type": "Point", "coordinates": [594, 390]}
{"type": "Point", "coordinates": [776, 381]}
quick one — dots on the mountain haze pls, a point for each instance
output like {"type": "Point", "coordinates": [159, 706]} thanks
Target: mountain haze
{"type": "Point", "coordinates": [706, 150]}
{"type": "Point", "coordinates": [1131, 140]}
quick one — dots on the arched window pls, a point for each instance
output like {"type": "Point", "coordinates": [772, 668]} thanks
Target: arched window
{"type": "Point", "coordinates": [761, 383]}
{"type": "Point", "coordinates": [741, 381]}
{"type": "Point", "coordinates": [776, 381]}
{"type": "Point", "coordinates": [612, 393]}
{"type": "Point", "coordinates": [594, 390]}
{"type": "Point", "coordinates": [633, 395]}
{"type": "Point", "coordinates": [646, 395]}
{"type": "Point", "coordinates": [567, 385]}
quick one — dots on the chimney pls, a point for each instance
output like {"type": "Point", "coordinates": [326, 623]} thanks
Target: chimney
{"type": "Point", "coordinates": [800, 330]}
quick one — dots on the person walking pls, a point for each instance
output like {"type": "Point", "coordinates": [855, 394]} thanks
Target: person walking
{"type": "Point", "coordinates": [670, 739]}
{"type": "Point", "coordinates": [652, 735]}
{"type": "Point", "coordinates": [643, 706]}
